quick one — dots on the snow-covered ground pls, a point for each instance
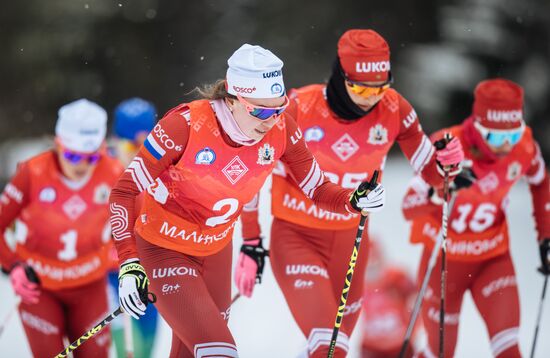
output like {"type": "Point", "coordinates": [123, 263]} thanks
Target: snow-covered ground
{"type": "Point", "coordinates": [263, 327]}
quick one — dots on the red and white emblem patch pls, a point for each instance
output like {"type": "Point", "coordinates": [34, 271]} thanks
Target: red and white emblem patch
{"type": "Point", "coordinates": [345, 147]}
{"type": "Point", "coordinates": [74, 207]}
{"type": "Point", "coordinates": [378, 135]}
{"type": "Point", "coordinates": [235, 170]}
{"type": "Point", "coordinates": [266, 154]}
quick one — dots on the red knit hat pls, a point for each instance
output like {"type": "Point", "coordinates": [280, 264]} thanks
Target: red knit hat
{"type": "Point", "coordinates": [498, 104]}
{"type": "Point", "coordinates": [364, 56]}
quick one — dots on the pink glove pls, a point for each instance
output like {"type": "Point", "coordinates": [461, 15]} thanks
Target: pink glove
{"type": "Point", "coordinates": [449, 154]}
{"type": "Point", "coordinates": [22, 285]}
{"type": "Point", "coordinates": [250, 265]}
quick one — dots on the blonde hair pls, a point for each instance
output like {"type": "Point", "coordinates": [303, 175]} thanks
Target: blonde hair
{"type": "Point", "coordinates": [216, 90]}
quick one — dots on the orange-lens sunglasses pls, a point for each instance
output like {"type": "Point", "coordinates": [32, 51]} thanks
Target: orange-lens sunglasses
{"type": "Point", "coordinates": [366, 91]}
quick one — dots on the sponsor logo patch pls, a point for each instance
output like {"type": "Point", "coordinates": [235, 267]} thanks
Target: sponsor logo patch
{"type": "Point", "coordinates": [314, 134]}
{"type": "Point", "coordinates": [174, 271]}
{"type": "Point", "coordinates": [14, 193]}
{"type": "Point", "coordinates": [266, 154]}
{"type": "Point", "coordinates": [366, 67]}
{"type": "Point", "coordinates": [101, 194]}
{"type": "Point", "coordinates": [504, 116]}
{"type": "Point", "coordinates": [272, 74]}
{"type": "Point", "coordinates": [488, 183]}
{"type": "Point", "coordinates": [235, 170]}
{"type": "Point", "coordinates": [169, 289]}
{"type": "Point", "coordinates": [205, 156]}
{"type": "Point", "coordinates": [303, 284]}
{"type": "Point", "coordinates": [301, 269]}
{"type": "Point", "coordinates": [244, 89]}
{"type": "Point", "coordinates": [47, 195]}
{"type": "Point", "coordinates": [345, 147]}
{"type": "Point", "coordinates": [514, 171]}
{"type": "Point", "coordinates": [410, 119]}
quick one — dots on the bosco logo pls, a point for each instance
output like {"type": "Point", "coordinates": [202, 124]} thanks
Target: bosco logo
{"type": "Point", "coordinates": [165, 139]}
{"type": "Point", "coordinates": [244, 89]}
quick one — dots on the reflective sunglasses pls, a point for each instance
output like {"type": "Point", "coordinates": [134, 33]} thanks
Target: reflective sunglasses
{"type": "Point", "coordinates": [75, 158]}
{"type": "Point", "coordinates": [365, 90]}
{"type": "Point", "coordinates": [497, 137]}
{"type": "Point", "coordinates": [263, 113]}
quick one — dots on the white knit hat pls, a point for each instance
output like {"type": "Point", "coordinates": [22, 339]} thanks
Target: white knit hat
{"type": "Point", "coordinates": [255, 72]}
{"type": "Point", "coordinates": [81, 126]}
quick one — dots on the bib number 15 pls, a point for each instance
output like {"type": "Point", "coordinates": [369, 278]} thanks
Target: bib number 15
{"type": "Point", "coordinates": [228, 206]}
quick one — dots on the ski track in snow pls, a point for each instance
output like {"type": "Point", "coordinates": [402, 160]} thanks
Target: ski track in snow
{"type": "Point", "coordinates": [263, 327]}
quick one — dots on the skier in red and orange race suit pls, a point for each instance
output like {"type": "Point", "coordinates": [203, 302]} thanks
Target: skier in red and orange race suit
{"type": "Point", "coordinates": [387, 303]}
{"type": "Point", "coordinates": [197, 168]}
{"type": "Point", "coordinates": [502, 150]}
{"type": "Point", "coordinates": [349, 124]}
{"type": "Point", "coordinates": [60, 200]}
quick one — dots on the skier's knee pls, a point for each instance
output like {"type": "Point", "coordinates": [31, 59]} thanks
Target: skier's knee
{"type": "Point", "coordinates": [318, 343]}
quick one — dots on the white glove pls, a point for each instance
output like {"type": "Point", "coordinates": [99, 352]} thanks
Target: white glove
{"type": "Point", "coordinates": [371, 201]}
{"type": "Point", "coordinates": [132, 289]}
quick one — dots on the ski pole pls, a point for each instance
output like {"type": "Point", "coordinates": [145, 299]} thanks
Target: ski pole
{"type": "Point", "coordinates": [441, 240]}
{"type": "Point", "coordinates": [444, 219]}
{"type": "Point", "coordinates": [96, 329]}
{"type": "Point", "coordinates": [539, 316]}
{"type": "Point", "coordinates": [349, 273]}
{"type": "Point", "coordinates": [33, 277]}
{"type": "Point", "coordinates": [9, 315]}
{"type": "Point", "coordinates": [420, 296]}
{"type": "Point", "coordinates": [128, 336]}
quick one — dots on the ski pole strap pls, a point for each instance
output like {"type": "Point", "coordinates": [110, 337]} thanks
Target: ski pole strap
{"type": "Point", "coordinates": [92, 332]}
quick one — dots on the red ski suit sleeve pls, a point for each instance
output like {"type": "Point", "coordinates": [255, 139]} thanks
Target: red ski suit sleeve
{"type": "Point", "coordinates": [416, 145]}
{"type": "Point", "coordinates": [13, 199]}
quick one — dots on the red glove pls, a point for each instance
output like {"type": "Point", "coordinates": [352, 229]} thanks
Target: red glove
{"type": "Point", "coordinates": [449, 154]}
{"type": "Point", "coordinates": [250, 266]}
{"type": "Point", "coordinates": [25, 283]}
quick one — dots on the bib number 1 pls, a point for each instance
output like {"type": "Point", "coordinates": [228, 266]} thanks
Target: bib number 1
{"type": "Point", "coordinates": [69, 249]}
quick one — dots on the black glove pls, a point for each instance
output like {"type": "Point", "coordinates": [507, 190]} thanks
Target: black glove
{"type": "Point", "coordinates": [465, 179]}
{"type": "Point", "coordinates": [254, 249]}
{"type": "Point", "coordinates": [544, 249]}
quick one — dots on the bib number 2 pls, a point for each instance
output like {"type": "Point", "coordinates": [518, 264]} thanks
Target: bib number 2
{"type": "Point", "coordinates": [221, 205]}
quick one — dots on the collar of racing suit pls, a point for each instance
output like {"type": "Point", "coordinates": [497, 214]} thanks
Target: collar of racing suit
{"type": "Point", "coordinates": [229, 125]}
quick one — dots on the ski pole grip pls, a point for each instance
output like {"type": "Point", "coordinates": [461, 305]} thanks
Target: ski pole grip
{"type": "Point", "coordinates": [31, 275]}
{"type": "Point", "coordinates": [372, 184]}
